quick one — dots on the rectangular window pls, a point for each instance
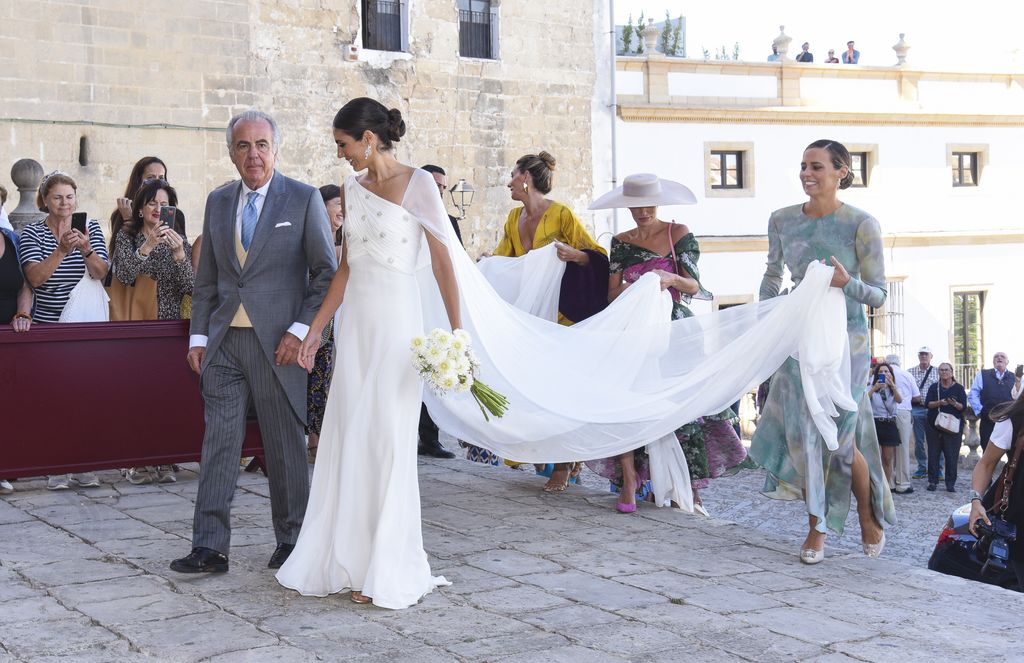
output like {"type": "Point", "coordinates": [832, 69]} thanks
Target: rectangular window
{"type": "Point", "coordinates": [965, 169]}
{"type": "Point", "coordinates": [382, 25]}
{"type": "Point", "coordinates": [726, 169]}
{"type": "Point", "coordinates": [860, 169]}
{"type": "Point", "coordinates": [968, 333]}
{"type": "Point", "coordinates": [476, 29]}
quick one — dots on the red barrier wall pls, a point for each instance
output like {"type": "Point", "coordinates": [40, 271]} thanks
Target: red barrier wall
{"type": "Point", "coordinates": [94, 396]}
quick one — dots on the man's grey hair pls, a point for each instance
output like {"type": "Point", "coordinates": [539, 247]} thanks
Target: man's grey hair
{"type": "Point", "coordinates": [892, 359]}
{"type": "Point", "coordinates": [248, 116]}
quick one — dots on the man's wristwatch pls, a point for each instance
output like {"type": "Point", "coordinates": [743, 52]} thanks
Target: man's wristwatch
{"type": "Point", "coordinates": [86, 255]}
{"type": "Point", "coordinates": [974, 495]}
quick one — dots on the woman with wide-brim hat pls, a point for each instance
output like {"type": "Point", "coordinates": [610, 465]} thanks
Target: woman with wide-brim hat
{"type": "Point", "coordinates": [670, 251]}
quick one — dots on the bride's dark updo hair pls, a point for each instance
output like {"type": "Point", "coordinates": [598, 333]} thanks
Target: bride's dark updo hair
{"type": "Point", "coordinates": [840, 157]}
{"type": "Point", "coordinates": [365, 114]}
{"type": "Point", "coordinates": [541, 167]}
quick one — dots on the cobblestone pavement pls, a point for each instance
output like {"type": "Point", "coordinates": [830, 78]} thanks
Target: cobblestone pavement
{"type": "Point", "coordinates": [552, 577]}
{"type": "Point", "coordinates": [920, 515]}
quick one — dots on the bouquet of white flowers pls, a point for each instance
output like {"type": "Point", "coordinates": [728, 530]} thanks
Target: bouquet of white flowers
{"type": "Point", "coordinates": [446, 362]}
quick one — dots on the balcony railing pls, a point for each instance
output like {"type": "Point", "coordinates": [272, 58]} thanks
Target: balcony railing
{"type": "Point", "coordinates": [382, 25]}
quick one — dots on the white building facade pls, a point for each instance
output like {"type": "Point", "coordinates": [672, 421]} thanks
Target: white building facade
{"type": "Point", "coordinates": [940, 161]}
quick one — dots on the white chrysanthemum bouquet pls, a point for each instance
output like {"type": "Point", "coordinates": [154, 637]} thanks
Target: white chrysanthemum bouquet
{"type": "Point", "coordinates": [446, 362]}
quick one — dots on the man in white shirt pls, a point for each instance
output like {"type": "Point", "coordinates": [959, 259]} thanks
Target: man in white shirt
{"type": "Point", "coordinates": [905, 424]}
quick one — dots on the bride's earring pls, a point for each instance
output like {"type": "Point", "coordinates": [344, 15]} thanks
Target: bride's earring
{"type": "Point", "coordinates": [367, 152]}
{"type": "Point", "coordinates": [526, 187]}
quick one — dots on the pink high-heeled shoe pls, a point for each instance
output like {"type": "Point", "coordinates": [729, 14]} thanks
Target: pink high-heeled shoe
{"type": "Point", "coordinates": [622, 507]}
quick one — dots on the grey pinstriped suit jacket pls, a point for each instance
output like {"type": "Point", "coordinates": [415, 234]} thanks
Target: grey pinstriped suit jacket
{"type": "Point", "coordinates": [289, 266]}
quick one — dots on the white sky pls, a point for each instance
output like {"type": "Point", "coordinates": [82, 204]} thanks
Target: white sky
{"type": "Point", "coordinates": [943, 34]}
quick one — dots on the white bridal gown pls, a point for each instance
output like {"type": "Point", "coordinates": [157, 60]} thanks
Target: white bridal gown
{"type": "Point", "coordinates": [624, 378]}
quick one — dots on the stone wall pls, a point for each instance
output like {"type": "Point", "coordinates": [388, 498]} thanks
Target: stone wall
{"type": "Point", "coordinates": [136, 79]}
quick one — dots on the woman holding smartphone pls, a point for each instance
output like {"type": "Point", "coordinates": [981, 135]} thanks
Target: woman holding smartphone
{"type": "Point", "coordinates": [57, 253]}
{"type": "Point", "coordinates": [884, 399]}
{"type": "Point", "coordinates": [150, 245]}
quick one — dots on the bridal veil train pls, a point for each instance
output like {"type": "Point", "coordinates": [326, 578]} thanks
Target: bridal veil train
{"type": "Point", "coordinates": [362, 527]}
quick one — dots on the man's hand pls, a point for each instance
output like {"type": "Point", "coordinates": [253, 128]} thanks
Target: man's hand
{"type": "Point", "coordinates": [195, 358]}
{"type": "Point", "coordinates": [287, 350]}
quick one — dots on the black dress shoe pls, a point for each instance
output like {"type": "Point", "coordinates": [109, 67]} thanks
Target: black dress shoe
{"type": "Point", "coordinates": [201, 560]}
{"type": "Point", "coordinates": [280, 555]}
{"type": "Point", "coordinates": [435, 450]}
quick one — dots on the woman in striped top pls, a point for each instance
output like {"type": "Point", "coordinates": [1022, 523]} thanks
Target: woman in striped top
{"type": "Point", "coordinates": [54, 255]}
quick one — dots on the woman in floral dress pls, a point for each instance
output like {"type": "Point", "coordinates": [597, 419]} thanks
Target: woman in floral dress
{"type": "Point", "coordinates": [670, 250]}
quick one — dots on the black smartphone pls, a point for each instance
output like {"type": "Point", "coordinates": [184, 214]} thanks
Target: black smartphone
{"type": "Point", "coordinates": [167, 215]}
{"type": "Point", "coordinates": [1020, 371]}
{"type": "Point", "coordinates": [78, 221]}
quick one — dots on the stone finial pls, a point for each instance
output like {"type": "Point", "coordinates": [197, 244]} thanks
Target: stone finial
{"type": "Point", "coordinates": [651, 35]}
{"type": "Point", "coordinates": [26, 175]}
{"type": "Point", "coordinates": [901, 49]}
{"type": "Point", "coordinates": [781, 43]}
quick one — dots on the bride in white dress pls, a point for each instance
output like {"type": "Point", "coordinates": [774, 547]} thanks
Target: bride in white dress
{"type": "Point", "coordinates": [635, 375]}
{"type": "Point", "coordinates": [362, 526]}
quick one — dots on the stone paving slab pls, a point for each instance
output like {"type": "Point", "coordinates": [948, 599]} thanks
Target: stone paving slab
{"type": "Point", "coordinates": [552, 577]}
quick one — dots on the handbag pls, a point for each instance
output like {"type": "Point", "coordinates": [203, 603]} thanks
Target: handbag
{"type": "Point", "coordinates": [133, 302]}
{"type": "Point", "coordinates": [945, 421]}
{"type": "Point", "coordinates": [88, 302]}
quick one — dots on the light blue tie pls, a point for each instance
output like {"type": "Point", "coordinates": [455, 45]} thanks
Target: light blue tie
{"type": "Point", "coordinates": [249, 218]}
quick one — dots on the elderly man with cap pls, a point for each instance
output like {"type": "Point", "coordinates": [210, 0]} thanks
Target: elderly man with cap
{"type": "Point", "coordinates": [925, 375]}
{"type": "Point", "coordinates": [991, 387]}
{"type": "Point", "coordinates": [907, 386]}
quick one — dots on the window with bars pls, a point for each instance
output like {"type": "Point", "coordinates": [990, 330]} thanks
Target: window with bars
{"type": "Point", "coordinates": [968, 334]}
{"type": "Point", "coordinates": [965, 169]}
{"type": "Point", "coordinates": [477, 29]}
{"type": "Point", "coordinates": [859, 162]}
{"type": "Point", "coordinates": [726, 169]}
{"type": "Point", "coordinates": [887, 323]}
{"type": "Point", "coordinates": [383, 22]}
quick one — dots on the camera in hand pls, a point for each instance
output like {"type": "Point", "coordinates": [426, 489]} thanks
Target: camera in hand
{"type": "Point", "coordinates": [993, 545]}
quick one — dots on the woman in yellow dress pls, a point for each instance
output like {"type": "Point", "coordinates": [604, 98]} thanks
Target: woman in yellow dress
{"type": "Point", "coordinates": [539, 222]}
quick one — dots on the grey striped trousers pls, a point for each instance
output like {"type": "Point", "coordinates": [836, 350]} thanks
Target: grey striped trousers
{"type": "Point", "coordinates": [239, 370]}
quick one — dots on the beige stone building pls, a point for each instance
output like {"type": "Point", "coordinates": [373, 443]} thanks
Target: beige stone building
{"type": "Point", "coordinates": [90, 86]}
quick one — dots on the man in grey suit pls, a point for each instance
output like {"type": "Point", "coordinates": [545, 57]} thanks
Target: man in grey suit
{"type": "Point", "coordinates": [266, 263]}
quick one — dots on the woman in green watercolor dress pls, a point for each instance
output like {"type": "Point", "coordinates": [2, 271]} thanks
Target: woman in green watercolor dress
{"type": "Point", "coordinates": [789, 447]}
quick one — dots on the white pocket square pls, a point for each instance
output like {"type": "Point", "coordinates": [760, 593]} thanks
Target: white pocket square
{"type": "Point", "coordinates": [283, 224]}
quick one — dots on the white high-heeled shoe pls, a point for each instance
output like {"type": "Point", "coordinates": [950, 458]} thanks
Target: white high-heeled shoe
{"type": "Point", "coordinates": [874, 549]}
{"type": "Point", "coordinates": [812, 556]}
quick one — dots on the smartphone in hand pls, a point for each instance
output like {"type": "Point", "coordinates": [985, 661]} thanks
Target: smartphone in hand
{"type": "Point", "coordinates": [167, 215]}
{"type": "Point", "coordinates": [79, 221]}
{"type": "Point", "coordinates": [1020, 371]}
{"type": "Point", "coordinates": [881, 379]}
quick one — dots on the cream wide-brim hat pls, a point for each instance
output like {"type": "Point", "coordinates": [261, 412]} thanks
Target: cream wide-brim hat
{"type": "Point", "coordinates": [645, 190]}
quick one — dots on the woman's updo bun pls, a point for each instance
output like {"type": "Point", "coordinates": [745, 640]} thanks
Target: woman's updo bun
{"type": "Point", "coordinates": [364, 114]}
{"type": "Point", "coordinates": [396, 125]}
{"type": "Point", "coordinates": [840, 158]}
{"type": "Point", "coordinates": [540, 166]}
